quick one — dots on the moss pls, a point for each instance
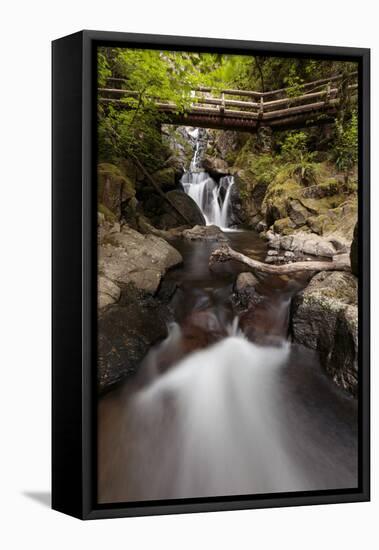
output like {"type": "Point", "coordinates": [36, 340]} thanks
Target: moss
{"type": "Point", "coordinates": [330, 186]}
{"type": "Point", "coordinates": [246, 154]}
{"type": "Point", "coordinates": [108, 215]}
{"type": "Point", "coordinates": [231, 157]}
{"type": "Point", "coordinates": [284, 226]}
{"type": "Point", "coordinates": [165, 178]}
{"type": "Point", "coordinates": [333, 297]}
{"type": "Point", "coordinates": [114, 187]}
{"type": "Point", "coordinates": [321, 224]}
{"type": "Point", "coordinates": [324, 203]}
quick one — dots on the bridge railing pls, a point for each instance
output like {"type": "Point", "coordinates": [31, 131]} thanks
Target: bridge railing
{"type": "Point", "coordinates": [316, 95]}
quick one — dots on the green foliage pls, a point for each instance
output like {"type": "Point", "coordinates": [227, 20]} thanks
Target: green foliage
{"type": "Point", "coordinates": [264, 168]}
{"type": "Point", "coordinates": [293, 82]}
{"type": "Point", "coordinates": [135, 129]}
{"type": "Point", "coordinates": [297, 157]}
{"type": "Point", "coordinates": [103, 70]}
{"type": "Point", "coordinates": [346, 144]}
{"type": "Point", "coordinates": [147, 75]}
{"type": "Point", "coordinates": [294, 146]}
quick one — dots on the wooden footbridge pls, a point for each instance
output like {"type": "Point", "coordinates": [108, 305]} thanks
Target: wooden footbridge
{"type": "Point", "coordinates": [246, 110]}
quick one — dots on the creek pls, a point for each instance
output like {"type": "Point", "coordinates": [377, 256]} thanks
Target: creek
{"type": "Point", "coordinates": [226, 405]}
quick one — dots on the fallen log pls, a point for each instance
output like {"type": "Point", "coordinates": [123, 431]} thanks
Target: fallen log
{"type": "Point", "coordinates": [224, 254]}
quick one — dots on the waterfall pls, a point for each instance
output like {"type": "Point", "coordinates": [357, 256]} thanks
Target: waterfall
{"type": "Point", "coordinates": [213, 198]}
{"type": "Point", "coordinates": [224, 429]}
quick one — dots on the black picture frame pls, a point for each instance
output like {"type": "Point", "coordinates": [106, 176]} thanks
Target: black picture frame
{"type": "Point", "coordinates": [74, 267]}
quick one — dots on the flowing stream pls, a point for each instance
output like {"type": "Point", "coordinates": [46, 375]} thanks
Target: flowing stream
{"type": "Point", "coordinates": [213, 413]}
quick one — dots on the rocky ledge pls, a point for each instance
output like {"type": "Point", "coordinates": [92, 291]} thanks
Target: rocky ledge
{"type": "Point", "coordinates": [132, 298]}
{"type": "Point", "coordinates": [127, 256]}
{"type": "Point", "coordinates": [325, 319]}
{"type": "Point", "coordinates": [204, 233]}
{"type": "Point", "coordinates": [126, 332]}
{"type": "Point", "coordinates": [301, 243]}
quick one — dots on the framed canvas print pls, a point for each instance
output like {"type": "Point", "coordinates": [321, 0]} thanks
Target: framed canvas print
{"type": "Point", "coordinates": [210, 274]}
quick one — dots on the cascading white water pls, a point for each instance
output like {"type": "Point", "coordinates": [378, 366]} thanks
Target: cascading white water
{"type": "Point", "coordinates": [224, 423]}
{"type": "Point", "coordinates": [212, 198]}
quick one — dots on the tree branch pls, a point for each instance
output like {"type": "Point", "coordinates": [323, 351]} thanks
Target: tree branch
{"type": "Point", "coordinates": [225, 253]}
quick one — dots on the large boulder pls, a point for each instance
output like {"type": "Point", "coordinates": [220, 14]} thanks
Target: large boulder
{"type": "Point", "coordinates": [297, 212]}
{"type": "Point", "coordinates": [127, 256]}
{"type": "Point", "coordinates": [126, 332]}
{"type": "Point", "coordinates": [170, 217]}
{"type": "Point", "coordinates": [325, 318]}
{"type": "Point", "coordinates": [165, 178]}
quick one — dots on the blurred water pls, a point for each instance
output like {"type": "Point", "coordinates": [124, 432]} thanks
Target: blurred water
{"type": "Point", "coordinates": [211, 413]}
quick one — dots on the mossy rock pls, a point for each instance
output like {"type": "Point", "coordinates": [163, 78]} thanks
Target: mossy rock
{"type": "Point", "coordinates": [319, 206]}
{"type": "Point", "coordinates": [130, 170]}
{"type": "Point", "coordinates": [275, 203]}
{"type": "Point", "coordinates": [284, 226]}
{"type": "Point", "coordinates": [108, 215]}
{"type": "Point", "coordinates": [318, 224]}
{"type": "Point", "coordinates": [114, 188]}
{"type": "Point", "coordinates": [247, 154]}
{"type": "Point", "coordinates": [165, 178]}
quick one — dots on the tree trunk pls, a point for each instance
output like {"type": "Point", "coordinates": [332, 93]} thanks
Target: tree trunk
{"type": "Point", "coordinates": [225, 253]}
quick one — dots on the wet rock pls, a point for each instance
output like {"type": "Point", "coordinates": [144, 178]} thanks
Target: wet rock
{"type": "Point", "coordinates": [130, 257]}
{"type": "Point", "coordinates": [200, 330]}
{"type": "Point", "coordinates": [169, 218]}
{"type": "Point", "coordinates": [237, 210]}
{"type": "Point", "coordinates": [245, 292]}
{"type": "Point", "coordinates": [265, 322]}
{"type": "Point", "coordinates": [261, 226]}
{"type": "Point", "coordinates": [215, 166]}
{"type": "Point", "coordinates": [204, 233]}
{"type": "Point", "coordinates": [324, 318]}
{"type": "Point", "coordinates": [246, 198]}
{"type": "Point", "coordinates": [126, 332]}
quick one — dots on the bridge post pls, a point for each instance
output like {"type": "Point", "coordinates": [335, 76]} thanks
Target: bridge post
{"type": "Point", "coordinates": [261, 109]}
{"type": "Point", "coordinates": [222, 106]}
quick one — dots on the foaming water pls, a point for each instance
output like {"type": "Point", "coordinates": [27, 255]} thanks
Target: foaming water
{"type": "Point", "coordinates": [218, 397]}
{"type": "Point", "coordinates": [212, 197]}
